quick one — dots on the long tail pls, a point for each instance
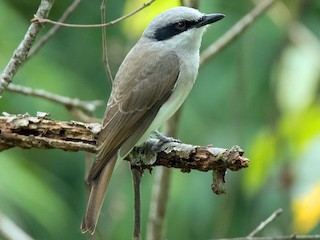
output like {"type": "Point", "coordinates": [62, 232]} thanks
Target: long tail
{"type": "Point", "coordinates": [97, 194]}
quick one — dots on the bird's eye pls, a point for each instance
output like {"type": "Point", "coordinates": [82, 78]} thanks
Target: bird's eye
{"type": "Point", "coordinates": [180, 26]}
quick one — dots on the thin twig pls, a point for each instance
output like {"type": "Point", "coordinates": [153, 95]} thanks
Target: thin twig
{"type": "Point", "coordinates": [104, 42]}
{"type": "Point", "coordinates": [44, 39]}
{"type": "Point", "coordinates": [289, 237]}
{"type": "Point", "coordinates": [20, 54]}
{"type": "Point", "coordinates": [45, 20]}
{"type": "Point", "coordinates": [235, 31]}
{"type": "Point", "coordinates": [89, 106]}
{"type": "Point", "coordinates": [136, 177]}
{"type": "Point", "coordinates": [263, 224]}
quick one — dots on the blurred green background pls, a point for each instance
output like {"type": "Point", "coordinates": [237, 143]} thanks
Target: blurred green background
{"type": "Point", "coordinates": [261, 92]}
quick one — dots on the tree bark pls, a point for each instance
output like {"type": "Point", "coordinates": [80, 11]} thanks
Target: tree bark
{"type": "Point", "coordinates": [39, 131]}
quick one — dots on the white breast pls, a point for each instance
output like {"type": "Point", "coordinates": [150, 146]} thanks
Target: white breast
{"type": "Point", "coordinates": [187, 76]}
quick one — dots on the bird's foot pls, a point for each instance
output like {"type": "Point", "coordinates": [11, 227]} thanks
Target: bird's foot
{"type": "Point", "coordinates": [165, 139]}
{"type": "Point", "coordinates": [162, 140]}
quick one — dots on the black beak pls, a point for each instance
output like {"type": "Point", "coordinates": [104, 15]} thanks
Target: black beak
{"type": "Point", "coordinates": [209, 18]}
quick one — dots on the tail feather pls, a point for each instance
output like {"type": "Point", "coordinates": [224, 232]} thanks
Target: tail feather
{"type": "Point", "coordinates": [97, 194]}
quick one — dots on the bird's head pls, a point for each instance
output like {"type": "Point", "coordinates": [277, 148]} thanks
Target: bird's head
{"type": "Point", "coordinates": [180, 27]}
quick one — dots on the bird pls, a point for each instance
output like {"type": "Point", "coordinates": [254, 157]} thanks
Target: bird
{"type": "Point", "coordinates": [151, 84]}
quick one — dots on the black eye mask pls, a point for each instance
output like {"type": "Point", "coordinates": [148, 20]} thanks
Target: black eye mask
{"type": "Point", "coordinates": [171, 30]}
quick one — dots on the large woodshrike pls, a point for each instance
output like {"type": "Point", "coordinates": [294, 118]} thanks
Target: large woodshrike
{"type": "Point", "coordinates": [151, 84]}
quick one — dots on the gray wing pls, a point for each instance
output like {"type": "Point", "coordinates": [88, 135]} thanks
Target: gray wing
{"type": "Point", "coordinates": [140, 88]}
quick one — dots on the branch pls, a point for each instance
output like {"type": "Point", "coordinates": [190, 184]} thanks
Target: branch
{"type": "Point", "coordinates": [89, 106]}
{"type": "Point", "coordinates": [289, 237]}
{"type": "Point", "coordinates": [26, 131]}
{"type": "Point", "coordinates": [54, 29]}
{"type": "Point", "coordinates": [235, 31]}
{"type": "Point", "coordinates": [136, 179]}
{"type": "Point", "coordinates": [188, 157]}
{"type": "Point", "coordinates": [44, 20]}
{"type": "Point", "coordinates": [105, 58]}
{"type": "Point", "coordinates": [20, 54]}
{"type": "Point", "coordinates": [263, 224]}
